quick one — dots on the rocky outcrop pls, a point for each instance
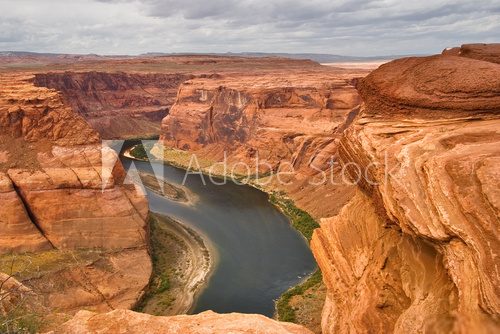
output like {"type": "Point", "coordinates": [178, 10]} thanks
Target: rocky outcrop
{"type": "Point", "coordinates": [19, 234]}
{"type": "Point", "coordinates": [416, 249]}
{"type": "Point", "coordinates": [246, 116]}
{"type": "Point", "coordinates": [378, 278]}
{"type": "Point", "coordinates": [486, 52]}
{"type": "Point", "coordinates": [76, 205]}
{"type": "Point", "coordinates": [72, 194]}
{"type": "Point", "coordinates": [270, 122]}
{"type": "Point", "coordinates": [97, 280]}
{"type": "Point", "coordinates": [59, 189]}
{"type": "Point", "coordinates": [117, 105]}
{"type": "Point", "coordinates": [121, 321]}
{"type": "Point", "coordinates": [38, 114]}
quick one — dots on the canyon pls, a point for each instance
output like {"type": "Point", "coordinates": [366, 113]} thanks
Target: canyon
{"type": "Point", "coordinates": [408, 210]}
{"type": "Point", "coordinates": [117, 105]}
{"type": "Point", "coordinates": [420, 141]}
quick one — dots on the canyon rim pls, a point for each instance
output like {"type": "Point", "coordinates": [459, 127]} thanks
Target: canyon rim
{"type": "Point", "coordinates": [249, 192]}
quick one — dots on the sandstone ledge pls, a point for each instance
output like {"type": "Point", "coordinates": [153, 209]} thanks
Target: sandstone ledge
{"type": "Point", "coordinates": [418, 250]}
{"type": "Point", "coordinates": [124, 321]}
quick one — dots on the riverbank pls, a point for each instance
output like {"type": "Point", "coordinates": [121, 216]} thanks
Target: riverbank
{"type": "Point", "coordinates": [182, 259]}
{"type": "Point", "coordinates": [302, 303]}
{"type": "Point", "coordinates": [156, 184]}
{"type": "Point", "coordinates": [182, 264]}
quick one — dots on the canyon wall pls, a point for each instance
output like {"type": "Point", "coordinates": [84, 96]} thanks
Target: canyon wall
{"type": "Point", "coordinates": [75, 233]}
{"type": "Point", "coordinates": [60, 191]}
{"type": "Point", "coordinates": [116, 104]}
{"type": "Point", "coordinates": [409, 237]}
{"type": "Point", "coordinates": [270, 122]}
{"type": "Point", "coordinates": [417, 248]}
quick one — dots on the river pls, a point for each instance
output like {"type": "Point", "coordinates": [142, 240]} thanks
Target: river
{"type": "Point", "coordinates": [259, 255]}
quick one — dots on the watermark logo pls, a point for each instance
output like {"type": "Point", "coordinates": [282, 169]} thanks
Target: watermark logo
{"type": "Point", "coordinates": [148, 156]}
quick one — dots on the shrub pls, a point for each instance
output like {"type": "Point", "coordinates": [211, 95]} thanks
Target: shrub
{"type": "Point", "coordinates": [301, 220]}
{"type": "Point", "coordinates": [284, 310]}
{"type": "Point", "coordinates": [164, 283]}
{"type": "Point", "coordinates": [139, 152]}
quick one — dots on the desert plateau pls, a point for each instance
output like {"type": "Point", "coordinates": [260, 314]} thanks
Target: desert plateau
{"type": "Point", "coordinates": [242, 191]}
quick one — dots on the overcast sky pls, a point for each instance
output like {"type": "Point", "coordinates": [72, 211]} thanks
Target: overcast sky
{"type": "Point", "coordinates": [357, 27]}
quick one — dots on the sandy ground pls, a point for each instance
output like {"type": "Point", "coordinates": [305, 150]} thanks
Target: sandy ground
{"type": "Point", "coordinates": [181, 255]}
{"type": "Point", "coordinates": [192, 267]}
{"type": "Point", "coordinates": [174, 192]}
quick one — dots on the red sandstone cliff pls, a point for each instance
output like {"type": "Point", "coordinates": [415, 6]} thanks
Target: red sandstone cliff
{"type": "Point", "coordinates": [416, 248]}
{"type": "Point", "coordinates": [60, 191]}
{"type": "Point", "coordinates": [64, 202]}
{"type": "Point", "coordinates": [278, 119]}
{"type": "Point", "coordinates": [415, 251]}
{"type": "Point", "coordinates": [117, 105]}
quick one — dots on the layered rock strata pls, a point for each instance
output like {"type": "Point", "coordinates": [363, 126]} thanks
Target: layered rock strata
{"type": "Point", "coordinates": [417, 248]}
{"type": "Point", "coordinates": [270, 123]}
{"type": "Point", "coordinates": [414, 248]}
{"type": "Point", "coordinates": [60, 190]}
{"type": "Point", "coordinates": [19, 234]}
{"type": "Point", "coordinates": [117, 105]}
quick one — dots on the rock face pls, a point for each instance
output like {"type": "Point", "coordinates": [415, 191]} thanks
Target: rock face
{"type": "Point", "coordinates": [74, 206]}
{"type": "Point", "coordinates": [122, 321]}
{"type": "Point", "coordinates": [60, 190]}
{"type": "Point", "coordinates": [19, 234]}
{"type": "Point", "coordinates": [417, 248]}
{"type": "Point", "coordinates": [117, 105]}
{"type": "Point", "coordinates": [101, 281]}
{"type": "Point", "coordinates": [277, 121]}
{"type": "Point", "coordinates": [486, 52]}
{"type": "Point", "coordinates": [130, 101]}
{"type": "Point", "coordinates": [422, 149]}
{"type": "Point", "coordinates": [38, 114]}
{"type": "Point", "coordinates": [409, 244]}
{"type": "Point", "coordinates": [73, 194]}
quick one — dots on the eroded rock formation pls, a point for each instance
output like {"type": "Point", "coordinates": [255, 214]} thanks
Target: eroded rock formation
{"type": "Point", "coordinates": [486, 52]}
{"type": "Point", "coordinates": [417, 250]}
{"type": "Point", "coordinates": [278, 121]}
{"type": "Point", "coordinates": [207, 322]}
{"type": "Point", "coordinates": [412, 247]}
{"type": "Point", "coordinates": [117, 105]}
{"type": "Point", "coordinates": [415, 247]}
{"type": "Point", "coordinates": [19, 234]}
{"type": "Point", "coordinates": [60, 190]}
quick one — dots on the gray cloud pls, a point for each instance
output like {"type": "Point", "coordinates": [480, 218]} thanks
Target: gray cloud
{"type": "Point", "coordinates": [357, 27]}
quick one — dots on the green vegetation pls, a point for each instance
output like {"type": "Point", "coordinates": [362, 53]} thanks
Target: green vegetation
{"type": "Point", "coordinates": [32, 265]}
{"type": "Point", "coordinates": [139, 152]}
{"type": "Point", "coordinates": [20, 321]}
{"type": "Point", "coordinates": [305, 224]}
{"type": "Point", "coordinates": [163, 283]}
{"type": "Point", "coordinates": [301, 220]}
{"type": "Point", "coordinates": [284, 310]}
{"type": "Point", "coordinates": [160, 284]}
